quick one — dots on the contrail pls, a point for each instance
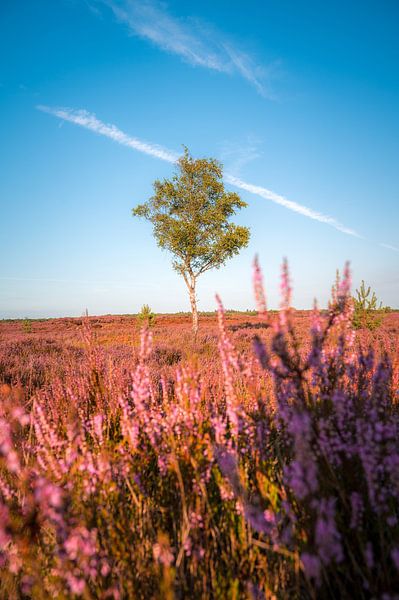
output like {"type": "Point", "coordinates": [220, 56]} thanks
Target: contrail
{"type": "Point", "coordinates": [390, 247]}
{"type": "Point", "coordinates": [294, 206]}
{"type": "Point", "coordinates": [90, 121]}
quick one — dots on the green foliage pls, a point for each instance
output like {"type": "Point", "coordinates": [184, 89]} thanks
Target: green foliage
{"type": "Point", "coordinates": [367, 312]}
{"type": "Point", "coordinates": [146, 317]}
{"type": "Point", "coordinates": [27, 326]}
{"type": "Point", "coordinates": [190, 215]}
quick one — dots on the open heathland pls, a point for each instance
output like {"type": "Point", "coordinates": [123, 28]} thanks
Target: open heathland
{"type": "Point", "coordinates": [257, 460]}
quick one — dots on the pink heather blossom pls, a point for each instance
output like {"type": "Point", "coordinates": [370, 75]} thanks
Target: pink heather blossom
{"type": "Point", "coordinates": [357, 508]}
{"type": "Point", "coordinates": [98, 421]}
{"type": "Point", "coordinates": [261, 352]}
{"type": "Point", "coordinates": [188, 546]}
{"type": "Point", "coordinates": [76, 584]}
{"type": "Point", "coordinates": [20, 415]}
{"type": "Point", "coordinates": [14, 559]}
{"type": "Point", "coordinates": [5, 537]}
{"type": "Point", "coordinates": [289, 459]}
{"type": "Point", "coordinates": [259, 292]}
{"type": "Point", "coordinates": [369, 554]}
{"type": "Point", "coordinates": [327, 537]}
{"type": "Point", "coordinates": [257, 519]}
{"type": "Point", "coordinates": [48, 494]}
{"type": "Point", "coordinates": [286, 293]}
{"type": "Point", "coordinates": [311, 566]}
{"type": "Point", "coordinates": [346, 282]}
{"type": "Point", "coordinates": [7, 449]}
{"type": "Point", "coordinates": [81, 542]}
{"type": "Point", "coordinates": [105, 569]}
{"type": "Point", "coordinates": [163, 554]}
{"type": "Point", "coordinates": [196, 520]}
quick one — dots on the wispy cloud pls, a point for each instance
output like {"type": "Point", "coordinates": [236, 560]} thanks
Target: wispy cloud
{"type": "Point", "coordinates": [291, 205]}
{"type": "Point", "coordinates": [194, 41]}
{"type": "Point", "coordinates": [237, 154]}
{"type": "Point", "coordinates": [90, 121]}
{"type": "Point", "coordinates": [246, 67]}
{"type": "Point", "coordinates": [390, 247]}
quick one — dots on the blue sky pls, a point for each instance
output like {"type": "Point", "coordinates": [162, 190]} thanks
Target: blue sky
{"type": "Point", "coordinates": [299, 100]}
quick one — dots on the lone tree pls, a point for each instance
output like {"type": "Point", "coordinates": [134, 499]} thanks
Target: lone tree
{"type": "Point", "coordinates": [190, 216]}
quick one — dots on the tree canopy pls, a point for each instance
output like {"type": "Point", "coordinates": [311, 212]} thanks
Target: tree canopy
{"type": "Point", "coordinates": [190, 216]}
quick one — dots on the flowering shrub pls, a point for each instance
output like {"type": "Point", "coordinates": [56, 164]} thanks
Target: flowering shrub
{"type": "Point", "coordinates": [274, 474]}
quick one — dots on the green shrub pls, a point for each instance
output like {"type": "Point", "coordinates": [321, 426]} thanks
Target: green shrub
{"type": "Point", "coordinates": [146, 317]}
{"type": "Point", "coordinates": [367, 312]}
{"type": "Point", "coordinates": [27, 326]}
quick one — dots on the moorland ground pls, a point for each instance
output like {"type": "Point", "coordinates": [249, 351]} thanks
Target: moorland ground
{"type": "Point", "coordinates": [259, 460]}
{"type": "Point", "coordinates": [173, 332]}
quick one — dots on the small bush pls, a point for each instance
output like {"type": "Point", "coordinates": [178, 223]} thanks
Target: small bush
{"type": "Point", "coordinates": [366, 310]}
{"type": "Point", "coordinates": [26, 326]}
{"type": "Point", "coordinates": [146, 317]}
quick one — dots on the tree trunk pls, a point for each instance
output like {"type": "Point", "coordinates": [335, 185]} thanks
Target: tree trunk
{"type": "Point", "coordinates": [193, 302]}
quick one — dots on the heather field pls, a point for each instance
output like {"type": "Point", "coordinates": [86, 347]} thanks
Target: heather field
{"type": "Point", "coordinates": [259, 460]}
